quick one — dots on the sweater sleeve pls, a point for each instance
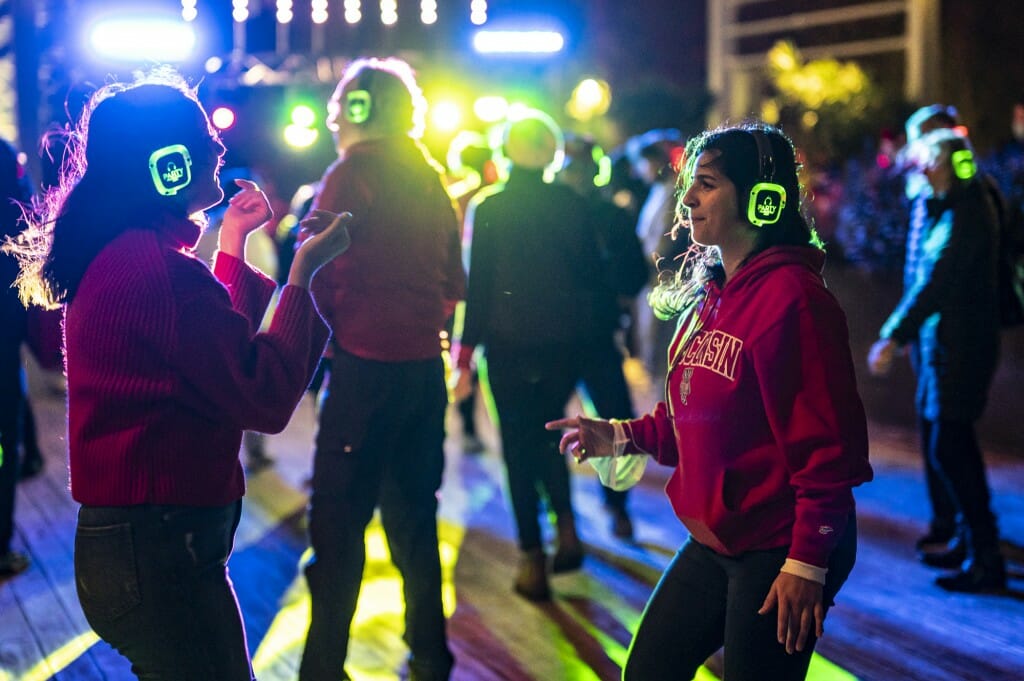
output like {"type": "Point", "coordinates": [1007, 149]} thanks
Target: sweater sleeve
{"type": "Point", "coordinates": [808, 388]}
{"type": "Point", "coordinates": [340, 191]}
{"type": "Point", "coordinates": [249, 289]}
{"type": "Point", "coordinates": [227, 373]}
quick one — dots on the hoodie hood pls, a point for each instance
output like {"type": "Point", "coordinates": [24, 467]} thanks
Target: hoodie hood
{"type": "Point", "coordinates": [759, 266]}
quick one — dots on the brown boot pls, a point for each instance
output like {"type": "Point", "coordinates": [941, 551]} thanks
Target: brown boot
{"type": "Point", "coordinates": [569, 555]}
{"type": "Point", "coordinates": [532, 580]}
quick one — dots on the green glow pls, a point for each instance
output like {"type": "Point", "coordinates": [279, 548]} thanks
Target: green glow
{"type": "Point", "coordinates": [823, 670]}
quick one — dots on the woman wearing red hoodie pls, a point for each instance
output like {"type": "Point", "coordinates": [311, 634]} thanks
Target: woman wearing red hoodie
{"type": "Point", "coordinates": [761, 421]}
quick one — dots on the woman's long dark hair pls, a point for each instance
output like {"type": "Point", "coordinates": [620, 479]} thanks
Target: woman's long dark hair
{"type": "Point", "coordinates": [105, 185]}
{"type": "Point", "coordinates": [738, 159]}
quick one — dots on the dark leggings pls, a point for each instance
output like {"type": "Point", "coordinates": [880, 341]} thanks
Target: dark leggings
{"type": "Point", "coordinates": [705, 601]}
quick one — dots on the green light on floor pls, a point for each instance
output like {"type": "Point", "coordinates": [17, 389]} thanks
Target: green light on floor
{"type": "Point", "coordinates": [823, 670]}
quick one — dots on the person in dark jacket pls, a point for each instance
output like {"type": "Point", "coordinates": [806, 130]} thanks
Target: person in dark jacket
{"type": "Point", "coordinates": [761, 423]}
{"type": "Point", "coordinates": [165, 369]}
{"type": "Point", "coordinates": [624, 274]}
{"type": "Point", "coordinates": [951, 313]}
{"type": "Point", "coordinates": [533, 273]}
{"type": "Point", "coordinates": [381, 424]}
{"type": "Point", "coordinates": [15, 191]}
{"type": "Point", "coordinates": [942, 526]}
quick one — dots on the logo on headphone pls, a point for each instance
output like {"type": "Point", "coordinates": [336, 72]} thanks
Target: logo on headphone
{"type": "Point", "coordinates": [171, 169]}
{"type": "Point", "coordinates": [767, 200]}
{"type": "Point", "coordinates": [963, 164]}
{"type": "Point", "coordinates": [358, 104]}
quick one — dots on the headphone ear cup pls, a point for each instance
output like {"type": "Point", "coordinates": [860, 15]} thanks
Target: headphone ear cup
{"type": "Point", "coordinates": [766, 203]}
{"type": "Point", "coordinates": [170, 168]}
{"type": "Point", "coordinates": [964, 166]}
{"type": "Point", "coordinates": [358, 106]}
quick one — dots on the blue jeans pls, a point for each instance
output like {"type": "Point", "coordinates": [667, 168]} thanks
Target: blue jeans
{"type": "Point", "coordinates": [153, 582]}
{"type": "Point", "coordinates": [706, 600]}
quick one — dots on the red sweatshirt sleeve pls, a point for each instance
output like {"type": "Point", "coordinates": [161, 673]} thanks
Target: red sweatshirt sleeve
{"type": "Point", "coordinates": [808, 386]}
{"type": "Point", "coordinates": [253, 382]}
{"type": "Point", "coordinates": [340, 191]}
{"type": "Point", "coordinates": [653, 434]}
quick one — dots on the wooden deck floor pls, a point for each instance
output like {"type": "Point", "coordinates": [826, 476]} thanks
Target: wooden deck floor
{"type": "Point", "coordinates": [890, 623]}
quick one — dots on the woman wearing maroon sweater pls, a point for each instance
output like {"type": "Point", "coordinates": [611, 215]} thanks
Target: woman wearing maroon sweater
{"type": "Point", "coordinates": [761, 422]}
{"type": "Point", "coordinates": [165, 369]}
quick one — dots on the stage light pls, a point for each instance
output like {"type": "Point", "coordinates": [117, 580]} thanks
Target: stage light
{"type": "Point", "coordinates": [188, 10]}
{"type": "Point", "coordinates": [319, 11]}
{"type": "Point", "coordinates": [518, 42]}
{"type": "Point", "coordinates": [428, 11]}
{"type": "Point", "coordinates": [303, 115]}
{"type": "Point", "coordinates": [239, 10]}
{"type": "Point", "coordinates": [142, 39]}
{"type": "Point", "coordinates": [589, 99]}
{"type": "Point", "coordinates": [223, 117]}
{"type": "Point", "coordinates": [491, 108]}
{"type": "Point", "coordinates": [445, 116]}
{"type": "Point", "coordinates": [300, 137]}
{"type": "Point", "coordinates": [353, 11]}
{"type": "Point", "coordinates": [478, 12]}
{"type": "Point", "coordinates": [213, 64]}
{"type": "Point", "coordinates": [388, 12]}
{"type": "Point", "coordinates": [284, 12]}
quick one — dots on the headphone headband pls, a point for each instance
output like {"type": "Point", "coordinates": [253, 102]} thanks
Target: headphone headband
{"type": "Point", "coordinates": [765, 160]}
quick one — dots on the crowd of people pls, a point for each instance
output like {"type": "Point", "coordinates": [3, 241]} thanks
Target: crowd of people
{"type": "Point", "coordinates": [175, 356]}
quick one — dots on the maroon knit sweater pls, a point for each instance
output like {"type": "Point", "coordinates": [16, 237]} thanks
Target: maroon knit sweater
{"type": "Point", "coordinates": [165, 369]}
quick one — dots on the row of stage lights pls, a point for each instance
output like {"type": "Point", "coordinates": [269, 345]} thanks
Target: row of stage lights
{"type": "Point", "coordinates": [285, 11]}
{"type": "Point", "coordinates": [590, 98]}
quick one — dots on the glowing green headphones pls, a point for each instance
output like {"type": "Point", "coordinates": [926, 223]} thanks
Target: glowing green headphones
{"type": "Point", "coordinates": [767, 198]}
{"type": "Point", "coordinates": [359, 102]}
{"type": "Point", "coordinates": [964, 166]}
{"type": "Point", "coordinates": [171, 169]}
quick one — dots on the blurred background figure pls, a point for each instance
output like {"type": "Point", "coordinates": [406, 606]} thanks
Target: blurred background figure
{"type": "Point", "coordinates": [653, 156]}
{"type": "Point", "coordinates": [472, 167]}
{"type": "Point", "coordinates": [624, 274]}
{"type": "Point", "coordinates": [15, 189]}
{"type": "Point", "coordinates": [380, 441]}
{"type": "Point", "coordinates": [533, 274]}
{"type": "Point", "coordinates": [949, 316]}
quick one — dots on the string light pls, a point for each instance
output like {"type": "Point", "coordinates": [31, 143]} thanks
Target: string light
{"type": "Point", "coordinates": [239, 10]}
{"type": "Point", "coordinates": [353, 11]}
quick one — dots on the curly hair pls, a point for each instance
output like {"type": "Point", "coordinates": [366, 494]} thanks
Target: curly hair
{"type": "Point", "coordinates": [738, 159]}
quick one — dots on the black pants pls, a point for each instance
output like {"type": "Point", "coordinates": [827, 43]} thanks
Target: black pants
{"type": "Point", "coordinates": [530, 388]}
{"type": "Point", "coordinates": [706, 600]}
{"type": "Point", "coordinates": [605, 385]}
{"type": "Point", "coordinates": [380, 443]}
{"type": "Point", "coordinates": [954, 455]}
{"type": "Point", "coordinates": [153, 583]}
{"type": "Point", "coordinates": [944, 508]}
{"type": "Point", "coordinates": [11, 403]}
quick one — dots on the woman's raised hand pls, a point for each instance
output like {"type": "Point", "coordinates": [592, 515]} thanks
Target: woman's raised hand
{"type": "Point", "coordinates": [247, 211]}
